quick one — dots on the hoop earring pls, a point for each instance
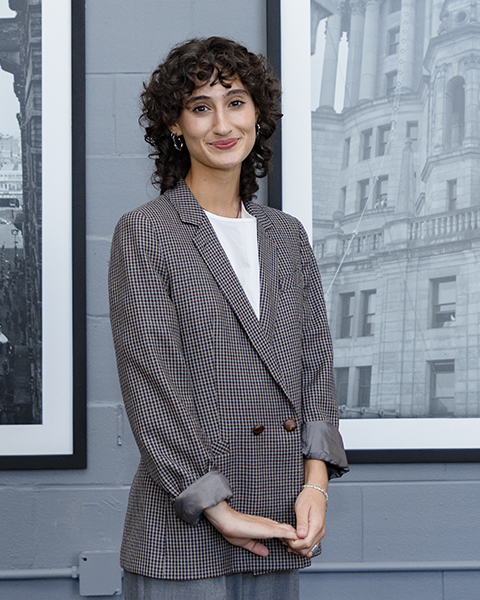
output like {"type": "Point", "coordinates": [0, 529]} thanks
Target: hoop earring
{"type": "Point", "coordinates": [258, 129]}
{"type": "Point", "coordinates": [177, 141]}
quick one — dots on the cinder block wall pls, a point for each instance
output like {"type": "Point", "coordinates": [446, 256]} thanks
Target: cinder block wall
{"type": "Point", "coordinates": [377, 513]}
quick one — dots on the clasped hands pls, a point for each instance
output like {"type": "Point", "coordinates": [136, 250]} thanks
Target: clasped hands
{"type": "Point", "coordinates": [244, 530]}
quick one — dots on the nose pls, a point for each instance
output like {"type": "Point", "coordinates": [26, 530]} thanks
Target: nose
{"type": "Point", "coordinates": [221, 125]}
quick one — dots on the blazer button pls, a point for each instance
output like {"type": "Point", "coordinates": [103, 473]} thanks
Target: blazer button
{"type": "Point", "coordinates": [290, 425]}
{"type": "Point", "coordinates": [258, 429]}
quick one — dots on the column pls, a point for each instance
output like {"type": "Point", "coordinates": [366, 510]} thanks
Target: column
{"type": "Point", "coordinates": [329, 75]}
{"type": "Point", "coordinates": [369, 51]}
{"type": "Point", "coordinates": [406, 185]}
{"type": "Point", "coordinates": [472, 92]}
{"type": "Point", "coordinates": [439, 109]}
{"type": "Point", "coordinates": [407, 44]}
{"type": "Point", "coordinates": [355, 41]}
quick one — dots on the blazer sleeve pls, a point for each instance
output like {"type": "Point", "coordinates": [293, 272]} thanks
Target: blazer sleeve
{"type": "Point", "coordinates": [154, 378]}
{"type": "Point", "coordinates": [320, 436]}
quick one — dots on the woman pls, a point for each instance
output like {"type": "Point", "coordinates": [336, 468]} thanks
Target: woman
{"type": "Point", "coordinates": [222, 344]}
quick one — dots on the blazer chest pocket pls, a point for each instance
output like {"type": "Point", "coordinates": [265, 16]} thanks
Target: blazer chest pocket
{"type": "Point", "coordinates": [291, 280]}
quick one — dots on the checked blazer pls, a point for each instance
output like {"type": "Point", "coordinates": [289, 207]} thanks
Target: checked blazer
{"type": "Point", "coordinates": [208, 387]}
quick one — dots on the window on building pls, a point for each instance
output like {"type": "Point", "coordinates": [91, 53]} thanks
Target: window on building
{"type": "Point", "coordinates": [391, 79]}
{"type": "Point", "coordinates": [382, 139]}
{"type": "Point", "coordinates": [381, 192]}
{"type": "Point", "coordinates": [368, 312]}
{"type": "Point", "coordinates": [452, 194]}
{"type": "Point", "coordinates": [455, 112]}
{"type": "Point", "coordinates": [394, 6]}
{"type": "Point", "coordinates": [346, 314]}
{"type": "Point", "coordinates": [393, 41]}
{"type": "Point", "coordinates": [412, 130]}
{"type": "Point", "coordinates": [363, 192]}
{"type": "Point", "coordinates": [442, 388]}
{"type": "Point", "coordinates": [364, 385]}
{"type": "Point", "coordinates": [343, 198]}
{"type": "Point", "coordinates": [412, 133]}
{"type": "Point", "coordinates": [346, 152]}
{"type": "Point", "coordinates": [366, 149]}
{"type": "Point", "coordinates": [444, 301]}
{"type": "Point", "coordinates": [341, 383]}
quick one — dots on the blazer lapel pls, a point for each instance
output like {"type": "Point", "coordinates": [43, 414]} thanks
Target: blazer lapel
{"type": "Point", "coordinates": [260, 332]}
{"type": "Point", "coordinates": [268, 272]}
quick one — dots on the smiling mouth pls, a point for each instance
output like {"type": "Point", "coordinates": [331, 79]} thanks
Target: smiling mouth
{"type": "Point", "coordinates": [225, 144]}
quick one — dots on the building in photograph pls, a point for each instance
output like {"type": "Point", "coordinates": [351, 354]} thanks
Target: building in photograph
{"type": "Point", "coordinates": [11, 176]}
{"type": "Point", "coordinates": [10, 148]}
{"type": "Point", "coordinates": [11, 185]}
{"type": "Point", "coordinates": [396, 204]}
{"type": "Point", "coordinates": [20, 272]}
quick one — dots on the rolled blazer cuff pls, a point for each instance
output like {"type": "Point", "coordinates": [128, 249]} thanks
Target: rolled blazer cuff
{"type": "Point", "coordinates": [207, 491]}
{"type": "Point", "coordinates": [322, 441]}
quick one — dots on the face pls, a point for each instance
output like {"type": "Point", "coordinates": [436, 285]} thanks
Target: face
{"type": "Point", "coordinates": [218, 126]}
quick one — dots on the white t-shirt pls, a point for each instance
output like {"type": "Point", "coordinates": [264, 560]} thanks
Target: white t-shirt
{"type": "Point", "coordinates": [239, 240]}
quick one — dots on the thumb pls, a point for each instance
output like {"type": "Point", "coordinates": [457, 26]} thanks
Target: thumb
{"type": "Point", "coordinates": [302, 525]}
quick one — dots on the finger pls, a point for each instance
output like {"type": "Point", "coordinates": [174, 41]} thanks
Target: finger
{"type": "Point", "coordinates": [302, 551]}
{"type": "Point", "coordinates": [302, 548]}
{"type": "Point", "coordinates": [252, 527]}
{"type": "Point", "coordinates": [315, 535]}
{"type": "Point", "coordinates": [256, 548]}
{"type": "Point", "coordinates": [286, 532]}
{"type": "Point", "coordinates": [304, 545]}
{"type": "Point", "coordinates": [266, 529]}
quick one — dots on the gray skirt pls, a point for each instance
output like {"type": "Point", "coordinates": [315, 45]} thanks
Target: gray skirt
{"type": "Point", "coordinates": [280, 585]}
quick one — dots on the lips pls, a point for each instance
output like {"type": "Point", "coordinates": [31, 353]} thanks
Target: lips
{"type": "Point", "coordinates": [225, 144]}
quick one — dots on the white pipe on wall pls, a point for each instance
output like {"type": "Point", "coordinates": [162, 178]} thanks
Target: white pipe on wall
{"type": "Point", "coordinates": [347, 567]}
{"type": "Point", "coordinates": [66, 573]}
{"type": "Point", "coordinates": [385, 567]}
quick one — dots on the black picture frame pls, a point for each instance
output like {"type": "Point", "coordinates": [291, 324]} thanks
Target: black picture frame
{"type": "Point", "coordinates": [375, 455]}
{"type": "Point", "coordinates": [75, 286]}
{"type": "Point", "coordinates": [275, 59]}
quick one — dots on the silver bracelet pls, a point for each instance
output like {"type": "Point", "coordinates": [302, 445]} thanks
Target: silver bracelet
{"type": "Point", "coordinates": [316, 487]}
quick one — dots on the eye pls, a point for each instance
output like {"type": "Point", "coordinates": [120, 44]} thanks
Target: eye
{"type": "Point", "coordinates": [237, 103]}
{"type": "Point", "coordinates": [201, 108]}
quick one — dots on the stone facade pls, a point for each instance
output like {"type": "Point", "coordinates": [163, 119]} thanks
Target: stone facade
{"type": "Point", "coordinates": [396, 205]}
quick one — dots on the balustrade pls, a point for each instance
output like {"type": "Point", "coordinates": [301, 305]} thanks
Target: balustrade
{"type": "Point", "coordinates": [444, 225]}
{"type": "Point", "coordinates": [431, 228]}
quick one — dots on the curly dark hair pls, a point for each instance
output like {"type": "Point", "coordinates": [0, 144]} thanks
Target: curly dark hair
{"type": "Point", "coordinates": [189, 66]}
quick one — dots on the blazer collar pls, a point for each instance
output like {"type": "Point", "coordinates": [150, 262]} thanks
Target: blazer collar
{"type": "Point", "coordinates": [187, 207]}
{"type": "Point", "coordinates": [191, 212]}
{"type": "Point", "coordinates": [260, 332]}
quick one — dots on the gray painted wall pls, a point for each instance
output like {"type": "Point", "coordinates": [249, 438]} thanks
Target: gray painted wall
{"type": "Point", "coordinates": [376, 513]}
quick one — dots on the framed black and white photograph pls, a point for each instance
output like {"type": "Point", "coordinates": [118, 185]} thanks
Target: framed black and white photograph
{"type": "Point", "coordinates": [380, 160]}
{"type": "Point", "coordinates": [42, 235]}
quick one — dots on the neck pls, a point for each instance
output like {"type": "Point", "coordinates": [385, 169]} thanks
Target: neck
{"type": "Point", "coordinates": [218, 193]}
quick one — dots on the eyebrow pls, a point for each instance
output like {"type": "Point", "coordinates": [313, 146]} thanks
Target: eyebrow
{"type": "Point", "coordinates": [203, 97]}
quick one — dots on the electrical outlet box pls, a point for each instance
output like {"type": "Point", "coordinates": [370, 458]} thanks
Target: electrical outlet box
{"type": "Point", "coordinates": [100, 573]}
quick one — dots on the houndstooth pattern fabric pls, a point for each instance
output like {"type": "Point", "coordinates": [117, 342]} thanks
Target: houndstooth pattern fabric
{"type": "Point", "coordinates": [198, 371]}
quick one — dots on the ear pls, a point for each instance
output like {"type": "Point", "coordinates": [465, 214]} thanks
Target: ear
{"type": "Point", "coordinates": [175, 129]}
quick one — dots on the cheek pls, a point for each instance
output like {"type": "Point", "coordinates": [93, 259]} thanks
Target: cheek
{"type": "Point", "coordinates": [252, 133]}
{"type": "Point", "coordinates": [191, 129]}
